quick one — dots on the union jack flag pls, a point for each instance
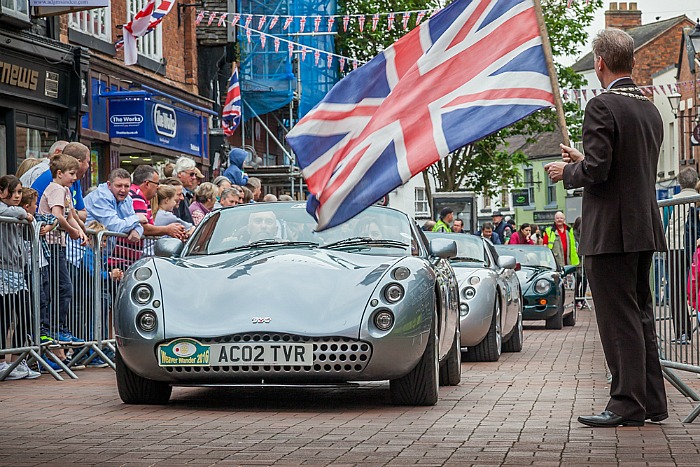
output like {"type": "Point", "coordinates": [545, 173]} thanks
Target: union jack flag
{"type": "Point", "coordinates": [231, 115]}
{"type": "Point", "coordinates": [475, 67]}
{"type": "Point", "coordinates": [144, 22]}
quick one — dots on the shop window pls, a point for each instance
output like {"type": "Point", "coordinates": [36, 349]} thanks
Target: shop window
{"type": "Point", "coordinates": [94, 23]}
{"type": "Point", "coordinates": [18, 9]}
{"type": "Point", "coordinates": [31, 142]}
{"type": "Point", "coordinates": [422, 208]}
{"type": "Point", "coordinates": [150, 45]}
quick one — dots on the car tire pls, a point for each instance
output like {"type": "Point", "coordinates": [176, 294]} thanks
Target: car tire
{"type": "Point", "coordinates": [133, 389]}
{"type": "Point", "coordinates": [557, 321]}
{"type": "Point", "coordinates": [421, 385]}
{"type": "Point", "coordinates": [515, 343]}
{"type": "Point", "coordinates": [570, 319]}
{"type": "Point", "coordinates": [491, 346]}
{"type": "Point", "coordinates": [451, 370]}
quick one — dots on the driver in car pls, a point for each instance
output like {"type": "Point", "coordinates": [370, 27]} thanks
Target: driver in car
{"type": "Point", "coordinates": [262, 225]}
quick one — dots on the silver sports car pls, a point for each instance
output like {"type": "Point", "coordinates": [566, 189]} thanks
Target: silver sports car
{"type": "Point", "coordinates": [257, 297]}
{"type": "Point", "coordinates": [491, 303]}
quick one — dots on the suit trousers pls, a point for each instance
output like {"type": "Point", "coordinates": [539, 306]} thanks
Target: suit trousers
{"type": "Point", "coordinates": [623, 305]}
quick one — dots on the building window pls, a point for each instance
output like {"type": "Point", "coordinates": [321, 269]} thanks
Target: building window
{"type": "Point", "coordinates": [487, 201]}
{"type": "Point", "coordinates": [422, 207]}
{"type": "Point", "coordinates": [94, 23]}
{"type": "Point", "coordinates": [150, 45]}
{"type": "Point", "coordinates": [551, 192]}
{"type": "Point", "coordinates": [505, 199]}
{"type": "Point", "coordinates": [530, 184]}
{"type": "Point", "coordinates": [17, 8]}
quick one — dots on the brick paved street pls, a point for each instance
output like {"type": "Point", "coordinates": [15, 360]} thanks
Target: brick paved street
{"type": "Point", "coordinates": [519, 411]}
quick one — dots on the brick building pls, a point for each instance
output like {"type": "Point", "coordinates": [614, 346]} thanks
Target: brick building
{"type": "Point", "coordinates": [687, 113]}
{"type": "Point", "coordinates": [90, 91]}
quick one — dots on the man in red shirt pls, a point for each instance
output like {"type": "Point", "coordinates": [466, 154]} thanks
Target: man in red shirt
{"type": "Point", "coordinates": [145, 182]}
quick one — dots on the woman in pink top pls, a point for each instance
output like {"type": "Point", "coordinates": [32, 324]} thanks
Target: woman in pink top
{"type": "Point", "coordinates": [522, 236]}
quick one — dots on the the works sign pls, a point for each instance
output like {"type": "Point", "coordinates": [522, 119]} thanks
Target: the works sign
{"type": "Point", "coordinates": [156, 123]}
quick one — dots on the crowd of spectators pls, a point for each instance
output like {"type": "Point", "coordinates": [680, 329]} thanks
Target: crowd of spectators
{"type": "Point", "coordinates": [150, 202]}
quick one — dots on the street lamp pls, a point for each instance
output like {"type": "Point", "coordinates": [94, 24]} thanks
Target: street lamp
{"type": "Point", "coordinates": [675, 100]}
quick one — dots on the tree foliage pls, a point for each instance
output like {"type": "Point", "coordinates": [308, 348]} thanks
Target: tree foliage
{"type": "Point", "coordinates": [489, 164]}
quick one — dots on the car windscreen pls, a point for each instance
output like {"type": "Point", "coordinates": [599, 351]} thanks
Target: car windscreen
{"type": "Point", "coordinates": [470, 248]}
{"type": "Point", "coordinates": [376, 230]}
{"type": "Point", "coordinates": [530, 256]}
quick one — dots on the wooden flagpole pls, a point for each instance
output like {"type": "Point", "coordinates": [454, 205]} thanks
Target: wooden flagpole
{"type": "Point", "coordinates": [552, 73]}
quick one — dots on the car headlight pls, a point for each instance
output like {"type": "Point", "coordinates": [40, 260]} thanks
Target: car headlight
{"type": "Point", "coordinates": [143, 273]}
{"type": "Point", "coordinates": [393, 293]}
{"type": "Point", "coordinates": [543, 286]}
{"type": "Point", "coordinates": [401, 273]}
{"type": "Point", "coordinates": [384, 320]}
{"type": "Point", "coordinates": [142, 294]}
{"type": "Point", "coordinates": [468, 293]}
{"type": "Point", "coordinates": [463, 309]}
{"type": "Point", "coordinates": [147, 320]}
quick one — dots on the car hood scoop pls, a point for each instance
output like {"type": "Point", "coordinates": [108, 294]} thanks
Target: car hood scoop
{"type": "Point", "coordinates": [309, 291]}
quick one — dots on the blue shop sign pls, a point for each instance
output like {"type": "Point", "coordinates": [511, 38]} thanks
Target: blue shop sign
{"type": "Point", "coordinates": [154, 122]}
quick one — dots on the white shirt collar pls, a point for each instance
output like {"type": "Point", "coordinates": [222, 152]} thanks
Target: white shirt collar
{"type": "Point", "coordinates": [618, 79]}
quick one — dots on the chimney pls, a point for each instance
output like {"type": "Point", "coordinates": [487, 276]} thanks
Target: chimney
{"type": "Point", "coordinates": [619, 16]}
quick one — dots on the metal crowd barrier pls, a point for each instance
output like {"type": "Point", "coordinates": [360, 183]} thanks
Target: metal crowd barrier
{"type": "Point", "coordinates": [676, 293]}
{"type": "Point", "coordinates": [20, 294]}
{"type": "Point", "coordinates": [73, 293]}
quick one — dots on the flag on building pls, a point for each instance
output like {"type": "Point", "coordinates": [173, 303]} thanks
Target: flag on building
{"type": "Point", "coordinates": [144, 22]}
{"type": "Point", "coordinates": [475, 67]}
{"type": "Point", "coordinates": [231, 115]}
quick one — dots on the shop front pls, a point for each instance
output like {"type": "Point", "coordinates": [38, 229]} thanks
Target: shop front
{"type": "Point", "coordinates": [41, 93]}
{"type": "Point", "coordinates": [131, 124]}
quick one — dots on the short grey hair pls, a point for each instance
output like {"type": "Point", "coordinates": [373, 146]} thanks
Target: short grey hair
{"type": "Point", "coordinates": [57, 147]}
{"type": "Point", "coordinates": [688, 177]}
{"type": "Point", "coordinates": [616, 48]}
{"type": "Point", "coordinates": [77, 150]}
{"type": "Point", "coordinates": [184, 164]}
{"type": "Point", "coordinates": [142, 173]}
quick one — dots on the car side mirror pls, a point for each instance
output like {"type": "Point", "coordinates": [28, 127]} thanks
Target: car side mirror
{"type": "Point", "coordinates": [168, 247]}
{"type": "Point", "coordinates": [507, 262]}
{"type": "Point", "coordinates": [443, 248]}
{"type": "Point", "coordinates": [569, 269]}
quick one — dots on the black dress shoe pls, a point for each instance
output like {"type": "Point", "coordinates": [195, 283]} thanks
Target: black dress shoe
{"type": "Point", "coordinates": [657, 417]}
{"type": "Point", "coordinates": [609, 419]}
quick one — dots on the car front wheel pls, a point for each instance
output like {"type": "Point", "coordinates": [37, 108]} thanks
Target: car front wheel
{"type": "Point", "coordinates": [515, 343]}
{"type": "Point", "coordinates": [422, 384]}
{"type": "Point", "coordinates": [489, 349]}
{"type": "Point", "coordinates": [133, 389]}
{"type": "Point", "coordinates": [451, 370]}
{"type": "Point", "coordinates": [557, 321]}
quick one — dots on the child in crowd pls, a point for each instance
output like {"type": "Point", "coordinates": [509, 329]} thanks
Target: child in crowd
{"type": "Point", "coordinates": [57, 200]}
{"type": "Point", "coordinates": [29, 204]}
{"type": "Point", "coordinates": [166, 200]}
{"type": "Point", "coordinates": [15, 310]}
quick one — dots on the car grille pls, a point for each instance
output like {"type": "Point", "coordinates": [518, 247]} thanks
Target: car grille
{"type": "Point", "coordinates": [339, 356]}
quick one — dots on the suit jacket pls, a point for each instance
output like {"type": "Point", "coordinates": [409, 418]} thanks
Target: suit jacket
{"type": "Point", "coordinates": [621, 140]}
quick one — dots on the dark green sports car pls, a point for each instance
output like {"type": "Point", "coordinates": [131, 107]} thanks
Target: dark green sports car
{"type": "Point", "coordinates": [544, 285]}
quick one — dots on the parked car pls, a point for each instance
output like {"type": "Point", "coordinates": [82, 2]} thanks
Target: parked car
{"type": "Point", "coordinates": [256, 297]}
{"type": "Point", "coordinates": [491, 318]}
{"type": "Point", "coordinates": [543, 285]}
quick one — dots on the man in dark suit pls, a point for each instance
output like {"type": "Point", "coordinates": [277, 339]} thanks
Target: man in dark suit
{"type": "Point", "coordinates": [622, 134]}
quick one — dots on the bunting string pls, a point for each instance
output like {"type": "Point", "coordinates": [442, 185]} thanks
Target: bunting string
{"type": "Point", "coordinates": [321, 23]}
{"type": "Point", "coordinates": [649, 90]}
